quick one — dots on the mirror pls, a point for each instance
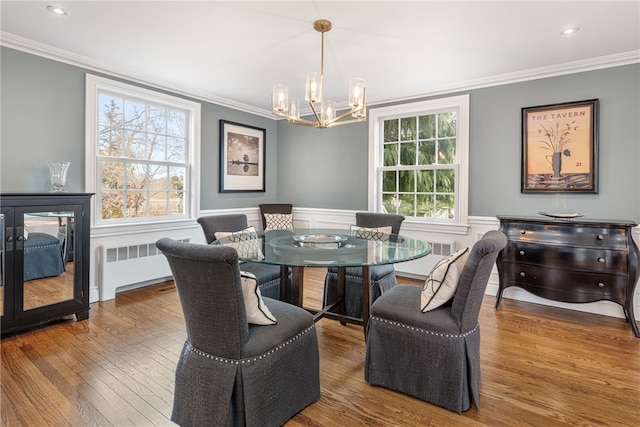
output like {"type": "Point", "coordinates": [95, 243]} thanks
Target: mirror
{"type": "Point", "coordinates": [48, 258]}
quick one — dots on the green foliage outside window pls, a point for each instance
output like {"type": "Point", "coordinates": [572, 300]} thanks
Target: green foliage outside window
{"type": "Point", "coordinates": [419, 165]}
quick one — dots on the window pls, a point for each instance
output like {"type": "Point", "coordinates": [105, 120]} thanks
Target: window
{"type": "Point", "coordinates": [140, 147]}
{"type": "Point", "coordinates": [419, 160]}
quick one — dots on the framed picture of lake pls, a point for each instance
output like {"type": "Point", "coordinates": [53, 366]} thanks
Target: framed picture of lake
{"type": "Point", "coordinates": [560, 148]}
{"type": "Point", "coordinates": [242, 158]}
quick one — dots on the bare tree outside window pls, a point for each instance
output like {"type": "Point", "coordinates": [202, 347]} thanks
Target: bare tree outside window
{"type": "Point", "coordinates": [142, 158]}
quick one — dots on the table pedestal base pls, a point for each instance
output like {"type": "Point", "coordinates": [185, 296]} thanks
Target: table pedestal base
{"type": "Point", "coordinates": [293, 293]}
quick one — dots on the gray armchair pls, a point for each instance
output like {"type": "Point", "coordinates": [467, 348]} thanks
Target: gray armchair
{"type": "Point", "coordinates": [434, 356]}
{"type": "Point", "coordinates": [383, 277]}
{"type": "Point", "coordinates": [268, 276]}
{"type": "Point", "coordinates": [230, 372]}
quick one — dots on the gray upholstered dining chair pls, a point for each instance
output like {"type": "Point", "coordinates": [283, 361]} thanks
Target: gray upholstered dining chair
{"type": "Point", "coordinates": [230, 372]}
{"type": "Point", "coordinates": [383, 277]}
{"type": "Point", "coordinates": [267, 209]}
{"type": "Point", "coordinates": [268, 276]}
{"type": "Point", "coordinates": [433, 355]}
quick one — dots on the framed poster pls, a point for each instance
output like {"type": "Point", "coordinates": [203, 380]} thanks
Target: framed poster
{"type": "Point", "coordinates": [242, 158]}
{"type": "Point", "coordinates": [560, 148]}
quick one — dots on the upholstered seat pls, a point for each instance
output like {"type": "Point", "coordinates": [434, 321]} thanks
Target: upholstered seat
{"type": "Point", "coordinates": [433, 355]}
{"type": "Point", "coordinates": [230, 372]}
{"type": "Point", "coordinates": [383, 277]}
{"type": "Point", "coordinates": [268, 276]}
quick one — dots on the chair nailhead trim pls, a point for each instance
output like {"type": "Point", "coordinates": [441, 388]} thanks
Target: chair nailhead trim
{"type": "Point", "coordinates": [413, 328]}
{"type": "Point", "coordinates": [254, 358]}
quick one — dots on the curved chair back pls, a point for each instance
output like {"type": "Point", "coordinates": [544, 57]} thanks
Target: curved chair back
{"type": "Point", "coordinates": [208, 282]}
{"type": "Point", "coordinates": [281, 208]}
{"type": "Point", "coordinates": [373, 220]}
{"type": "Point", "coordinates": [228, 222]}
{"type": "Point", "coordinates": [467, 300]}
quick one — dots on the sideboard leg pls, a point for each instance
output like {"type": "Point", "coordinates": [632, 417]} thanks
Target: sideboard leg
{"type": "Point", "coordinates": [628, 314]}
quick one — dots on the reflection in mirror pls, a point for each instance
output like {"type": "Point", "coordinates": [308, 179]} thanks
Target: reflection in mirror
{"type": "Point", "coordinates": [2, 270]}
{"type": "Point", "coordinates": [48, 258]}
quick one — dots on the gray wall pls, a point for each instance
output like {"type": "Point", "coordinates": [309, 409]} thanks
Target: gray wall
{"type": "Point", "coordinates": [327, 168]}
{"type": "Point", "coordinates": [42, 118]}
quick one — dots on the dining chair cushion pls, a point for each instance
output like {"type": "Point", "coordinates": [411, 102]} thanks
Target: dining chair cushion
{"type": "Point", "coordinates": [371, 233]}
{"type": "Point", "coordinates": [278, 221]}
{"type": "Point", "coordinates": [442, 282]}
{"type": "Point", "coordinates": [257, 312]}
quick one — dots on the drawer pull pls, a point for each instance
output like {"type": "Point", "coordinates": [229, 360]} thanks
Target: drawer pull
{"type": "Point", "coordinates": [522, 231]}
{"type": "Point", "coordinates": [600, 237]}
{"type": "Point", "coordinates": [600, 285]}
{"type": "Point", "coordinates": [521, 252]}
{"type": "Point", "coordinates": [522, 274]}
{"type": "Point", "coordinates": [602, 260]}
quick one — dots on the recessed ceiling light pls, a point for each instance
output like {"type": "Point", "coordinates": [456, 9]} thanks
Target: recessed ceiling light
{"type": "Point", "coordinates": [57, 10]}
{"type": "Point", "coordinates": [569, 31]}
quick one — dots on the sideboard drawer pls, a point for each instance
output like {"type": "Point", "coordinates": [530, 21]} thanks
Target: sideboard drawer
{"type": "Point", "coordinates": [568, 234]}
{"type": "Point", "coordinates": [600, 260]}
{"type": "Point", "coordinates": [578, 286]}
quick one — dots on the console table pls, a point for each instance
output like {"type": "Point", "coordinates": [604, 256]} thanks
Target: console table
{"type": "Point", "coordinates": [570, 260]}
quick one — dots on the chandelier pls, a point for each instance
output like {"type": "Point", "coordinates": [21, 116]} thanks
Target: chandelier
{"type": "Point", "coordinates": [324, 110]}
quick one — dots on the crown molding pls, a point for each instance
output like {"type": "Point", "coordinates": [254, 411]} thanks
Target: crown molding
{"type": "Point", "coordinates": [46, 51]}
{"type": "Point", "coordinates": [40, 49]}
{"type": "Point", "coordinates": [608, 61]}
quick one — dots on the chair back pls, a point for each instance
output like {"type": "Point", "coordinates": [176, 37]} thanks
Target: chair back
{"type": "Point", "coordinates": [374, 220]}
{"type": "Point", "coordinates": [208, 281]}
{"type": "Point", "coordinates": [229, 222]}
{"type": "Point", "coordinates": [270, 208]}
{"type": "Point", "coordinates": [474, 278]}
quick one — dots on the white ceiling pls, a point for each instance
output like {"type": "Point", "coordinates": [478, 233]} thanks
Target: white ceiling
{"type": "Point", "coordinates": [235, 51]}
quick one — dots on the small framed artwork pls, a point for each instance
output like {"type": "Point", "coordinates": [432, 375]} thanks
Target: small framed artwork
{"type": "Point", "coordinates": [242, 158]}
{"type": "Point", "coordinates": [560, 148]}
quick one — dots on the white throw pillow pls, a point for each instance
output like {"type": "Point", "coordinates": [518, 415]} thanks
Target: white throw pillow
{"type": "Point", "coordinates": [278, 221]}
{"type": "Point", "coordinates": [246, 242]}
{"type": "Point", "coordinates": [257, 312]}
{"type": "Point", "coordinates": [442, 282]}
{"type": "Point", "coordinates": [377, 233]}
{"type": "Point", "coordinates": [237, 236]}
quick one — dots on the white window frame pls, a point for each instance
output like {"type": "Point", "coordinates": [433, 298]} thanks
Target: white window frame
{"type": "Point", "coordinates": [94, 85]}
{"type": "Point", "coordinates": [377, 116]}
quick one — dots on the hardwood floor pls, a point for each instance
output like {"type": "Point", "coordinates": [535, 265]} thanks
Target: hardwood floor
{"type": "Point", "coordinates": [541, 366]}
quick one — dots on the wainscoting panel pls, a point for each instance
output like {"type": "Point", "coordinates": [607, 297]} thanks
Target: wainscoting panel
{"type": "Point", "coordinates": [133, 269]}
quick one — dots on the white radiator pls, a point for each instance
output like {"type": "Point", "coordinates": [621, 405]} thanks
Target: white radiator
{"type": "Point", "coordinates": [420, 268]}
{"type": "Point", "coordinates": [442, 248]}
{"type": "Point", "coordinates": [130, 264]}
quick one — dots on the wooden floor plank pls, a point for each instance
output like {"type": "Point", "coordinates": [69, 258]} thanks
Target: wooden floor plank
{"type": "Point", "coordinates": [540, 366]}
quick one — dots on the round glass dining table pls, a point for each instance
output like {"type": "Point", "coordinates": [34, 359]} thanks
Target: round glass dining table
{"type": "Point", "coordinates": [340, 248]}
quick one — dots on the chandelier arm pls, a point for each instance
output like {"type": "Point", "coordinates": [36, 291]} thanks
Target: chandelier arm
{"type": "Point", "coordinates": [315, 113]}
{"type": "Point", "coordinates": [344, 122]}
{"type": "Point", "coordinates": [341, 116]}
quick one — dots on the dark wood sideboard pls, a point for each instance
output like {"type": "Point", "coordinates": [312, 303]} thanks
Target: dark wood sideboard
{"type": "Point", "coordinates": [570, 260]}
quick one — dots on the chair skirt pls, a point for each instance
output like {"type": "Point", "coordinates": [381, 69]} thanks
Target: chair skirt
{"type": "Point", "coordinates": [265, 386]}
{"type": "Point", "coordinates": [383, 278]}
{"type": "Point", "coordinates": [436, 363]}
